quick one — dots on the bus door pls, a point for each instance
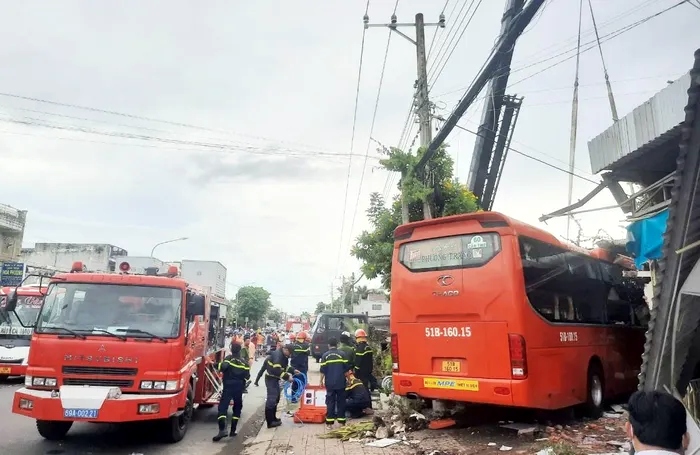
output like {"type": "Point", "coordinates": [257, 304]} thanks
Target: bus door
{"type": "Point", "coordinates": [451, 300]}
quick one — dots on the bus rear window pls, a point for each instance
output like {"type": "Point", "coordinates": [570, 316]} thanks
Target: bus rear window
{"type": "Point", "coordinates": [462, 251]}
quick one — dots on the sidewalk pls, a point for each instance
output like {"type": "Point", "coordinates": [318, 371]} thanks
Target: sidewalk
{"type": "Point", "coordinates": [302, 439]}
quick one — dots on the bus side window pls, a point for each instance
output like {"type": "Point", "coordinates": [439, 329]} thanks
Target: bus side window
{"type": "Point", "coordinates": [587, 289]}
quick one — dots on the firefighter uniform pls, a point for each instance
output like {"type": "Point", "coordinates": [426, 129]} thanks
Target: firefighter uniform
{"type": "Point", "coordinates": [347, 347]}
{"type": "Point", "coordinates": [334, 365]}
{"type": "Point", "coordinates": [364, 361]}
{"type": "Point", "coordinates": [357, 397]}
{"type": "Point", "coordinates": [276, 368]}
{"type": "Point", "coordinates": [300, 359]}
{"type": "Point", "coordinates": [235, 374]}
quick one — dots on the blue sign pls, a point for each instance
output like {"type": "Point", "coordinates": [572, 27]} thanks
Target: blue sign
{"type": "Point", "coordinates": [11, 273]}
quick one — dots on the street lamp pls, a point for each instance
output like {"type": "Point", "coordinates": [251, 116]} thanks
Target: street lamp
{"type": "Point", "coordinates": [167, 241]}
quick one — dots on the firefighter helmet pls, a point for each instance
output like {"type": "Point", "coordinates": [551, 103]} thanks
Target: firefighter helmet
{"type": "Point", "coordinates": [360, 333]}
{"type": "Point", "coordinates": [302, 335]}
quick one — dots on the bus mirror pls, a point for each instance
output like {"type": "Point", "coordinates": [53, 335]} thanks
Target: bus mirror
{"type": "Point", "coordinates": [195, 305]}
{"type": "Point", "coordinates": [11, 301]}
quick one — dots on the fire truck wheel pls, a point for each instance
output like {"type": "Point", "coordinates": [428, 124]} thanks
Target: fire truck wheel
{"type": "Point", "coordinates": [53, 430]}
{"type": "Point", "coordinates": [595, 392]}
{"type": "Point", "coordinates": [176, 426]}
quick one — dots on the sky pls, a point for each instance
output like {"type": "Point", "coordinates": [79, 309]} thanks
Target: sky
{"type": "Point", "coordinates": [231, 124]}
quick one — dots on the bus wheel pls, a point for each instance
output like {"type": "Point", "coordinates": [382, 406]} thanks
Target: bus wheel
{"type": "Point", "coordinates": [53, 430]}
{"type": "Point", "coordinates": [595, 391]}
{"type": "Point", "coordinates": [176, 426]}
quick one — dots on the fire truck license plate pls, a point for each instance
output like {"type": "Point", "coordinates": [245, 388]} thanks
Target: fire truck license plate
{"type": "Point", "coordinates": [5, 370]}
{"type": "Point", "coordinates": [451, 366]}
{"type": "Point", "coordinates": [80, 413]}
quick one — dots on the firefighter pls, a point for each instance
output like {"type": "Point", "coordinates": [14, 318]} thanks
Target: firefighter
{"type": "Point", "coordinates": [364, 360]}
{"type": "Point", "coordinates": [300, 359]}
{"type": "Point", "coordinates": [357, 399]}
{"type": "Point", "coordinates": [334, 365]}
{"type": "Point", "coordinates": [235, 373]}
{"type": "Point", "coordinates": [276, 368]}
{"type": "Point", "coordinates": [347, 347]}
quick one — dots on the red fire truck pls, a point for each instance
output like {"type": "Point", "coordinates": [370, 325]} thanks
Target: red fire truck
{"type": "Point", "coordinates": [119, 347]}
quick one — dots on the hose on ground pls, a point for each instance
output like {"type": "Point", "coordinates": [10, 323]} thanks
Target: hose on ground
{"type": "Point", "coordinates": [292, 395]}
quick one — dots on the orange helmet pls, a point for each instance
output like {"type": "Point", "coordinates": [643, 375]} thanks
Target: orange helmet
{"type": "Point", "coordinates": [302, 335]}
{"type": "Point", "coordinates": [360, 333]}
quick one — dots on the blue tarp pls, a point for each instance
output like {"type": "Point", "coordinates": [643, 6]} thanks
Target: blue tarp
{"type": "Point", "coordinates": [645, 238]}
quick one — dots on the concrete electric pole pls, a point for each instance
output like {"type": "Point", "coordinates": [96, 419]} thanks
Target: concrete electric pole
{"type": "Point", "coordinates": [421, 98]}
{"type": "Point", "coordinates": [422, 102]}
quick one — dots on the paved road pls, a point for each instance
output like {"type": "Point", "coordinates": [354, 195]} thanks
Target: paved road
{"type": "Point", "coordinates": [18, 434]}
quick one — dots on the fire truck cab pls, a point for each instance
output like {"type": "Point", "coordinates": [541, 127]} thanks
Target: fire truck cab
{"type": "Point", "coordinates": [119, 347]}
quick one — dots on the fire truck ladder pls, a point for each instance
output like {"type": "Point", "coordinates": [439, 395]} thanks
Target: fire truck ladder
{"type": "Point", "coordinates": [213, 386]}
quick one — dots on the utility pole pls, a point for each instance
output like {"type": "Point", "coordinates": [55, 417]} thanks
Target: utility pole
{"type": "Point", "coordinates": [490, 70]}
{"type": "Point", "coordinates": [486, 134]}
{"type": "Point", "coordinates": [422, 100]}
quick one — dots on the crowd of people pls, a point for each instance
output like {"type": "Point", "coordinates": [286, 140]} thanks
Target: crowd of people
{"type": "Point", "coordinates": [346, 374]}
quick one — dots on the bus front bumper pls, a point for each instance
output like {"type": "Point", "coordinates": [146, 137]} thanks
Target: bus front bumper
{"type": "Point", "coordinates": [93, 404]}
{"type": "Point", "coordinates": [7, 369]}
{"type": "Point", "coordinates": [502, 392]}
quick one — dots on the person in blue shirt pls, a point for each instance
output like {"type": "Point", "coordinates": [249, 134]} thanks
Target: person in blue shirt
{"type": "Point", "coordinates": [334, 365]}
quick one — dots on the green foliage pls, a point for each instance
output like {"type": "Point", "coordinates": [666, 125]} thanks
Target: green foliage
{"type": "Point", "coordinates": [320, 308]}
{"type": "Point", "coordinates": [276, 315]}
{"type": "Point", "coordinates": [253, 303]}
{"type": "Point", "coordinates": [375, 247]}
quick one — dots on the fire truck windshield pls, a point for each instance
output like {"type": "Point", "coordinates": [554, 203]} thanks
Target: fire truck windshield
{"type": "Point", "coordinates": [28, 309]}
{"type": "Point", "coordinates": [123, 310]}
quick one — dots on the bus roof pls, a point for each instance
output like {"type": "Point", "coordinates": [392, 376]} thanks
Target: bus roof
{"type": "Point", "coordinates": [491, 220]}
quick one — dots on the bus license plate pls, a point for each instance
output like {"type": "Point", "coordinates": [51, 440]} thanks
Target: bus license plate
{"type": "Point", "coordinates": [79, 413]}
{"type": "Point", "coordinates": [5, 370]}
{"type": "Point", "coordinates": [451, 366]}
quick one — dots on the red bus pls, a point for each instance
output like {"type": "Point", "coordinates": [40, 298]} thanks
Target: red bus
{"type": "Point", "coordinates": [487, 309]}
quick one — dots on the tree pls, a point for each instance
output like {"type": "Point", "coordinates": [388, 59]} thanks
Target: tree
{"type": "Point", "coordinates": [305, 315]}
{"type": "Point", "coordinates": [253, 304]}
{"type": "Point", "coordinates": [231, 314]}
{"type": "Point", "coordinates": [276, 315]}
{"type": "Point", "coordinates": [448, 197]}
{"type": "Point", "coordinates": [362, 292]}
{"type": "Point", "coordinates": [320, 308]}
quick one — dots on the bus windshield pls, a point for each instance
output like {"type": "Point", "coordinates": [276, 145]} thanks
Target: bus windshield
{"type": "Point", "coordinates": [28, 308]}
{"type": "Point", "coordinates": [96, 309]}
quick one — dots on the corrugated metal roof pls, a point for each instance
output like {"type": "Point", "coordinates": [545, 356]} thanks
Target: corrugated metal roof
{"type": "Point", "coordinates": [647, 122]}
{"type": "Point", "coordinates": [669, 357]}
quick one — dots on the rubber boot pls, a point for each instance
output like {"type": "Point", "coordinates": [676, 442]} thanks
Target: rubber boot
{"type": "Point", "coordinates": [234, 424]}
{"type": "Point", "coordinates": [271, 419]}
{"type": "Point", "coordinates": [222, 431]}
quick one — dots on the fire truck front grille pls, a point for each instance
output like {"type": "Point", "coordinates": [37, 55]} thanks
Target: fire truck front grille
{"type": "Point", "coordinates": [122, 383]}
{"type": "Point", "coordinates": [103, 371]}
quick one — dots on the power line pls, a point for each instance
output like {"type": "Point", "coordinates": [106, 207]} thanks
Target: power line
{"type": "Point", "coordinates": [438, 73]}
{"type": "Point", "coordinates": [591, 45]}
{"type": "Point", "coordinates": [139, 117]}
{"type": "Point", "coordinates": [352, 138]}
{"type": "Point", "coordinates": [534, 158]}
{"type": "Point", "coordinates": [371, 129]}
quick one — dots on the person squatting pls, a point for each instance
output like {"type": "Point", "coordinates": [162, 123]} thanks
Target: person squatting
{"type": "Point", "coordinates": [235, 372]}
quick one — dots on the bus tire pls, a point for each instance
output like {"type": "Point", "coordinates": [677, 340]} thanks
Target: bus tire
{"type": "Point", "coordinates": [177, 425]}
{"type": "Point", "coordinates": [595, 391]}
{"type": "Point", "coordinates": [53, 430]}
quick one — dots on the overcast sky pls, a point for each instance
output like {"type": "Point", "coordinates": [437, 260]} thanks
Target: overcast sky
{"type": "Point", "coordinates": [259, 184]}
